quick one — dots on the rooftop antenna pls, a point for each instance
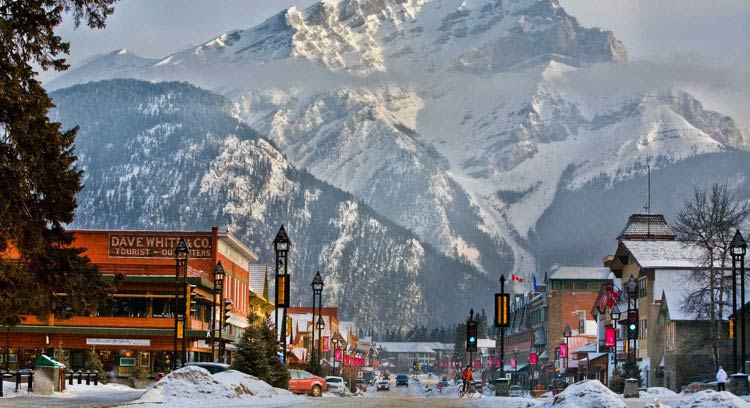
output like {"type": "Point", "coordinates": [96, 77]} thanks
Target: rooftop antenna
{"type": "Point", "coordinates": [648, 203]}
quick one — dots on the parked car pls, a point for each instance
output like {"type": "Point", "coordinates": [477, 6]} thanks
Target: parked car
{"type": "Point", "coordinates": [336, 384]}
{"type": "Point", "coordinates": [302, 382]}
{"type": "Point", "coordinates": [516, 391]}
{"type": "Point", "coordinates": [384, 385]}
{"type": "Point", "coordinates": [361, 385]}
{"type": "Point", "coordinates": [402, 379]}
{"type": "Point", "coordinates": [212, 368]}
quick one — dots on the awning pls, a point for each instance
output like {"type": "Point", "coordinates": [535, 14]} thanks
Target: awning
{"type": "Point", "coordinates": [45, 361]}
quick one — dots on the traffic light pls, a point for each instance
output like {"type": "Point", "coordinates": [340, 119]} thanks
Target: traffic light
{"type": "Point", "coordinates": [227, 310]}
{"type": "Point", "coordinates": [633, 324]}
{"type": "Point", "coordinates": [471, 336]}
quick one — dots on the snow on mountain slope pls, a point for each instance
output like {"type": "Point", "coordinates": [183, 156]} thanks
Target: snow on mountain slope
{"type": "Point", "coordinates": [117, 64]}
{"type": "Point", "coordinates": [455, 119]}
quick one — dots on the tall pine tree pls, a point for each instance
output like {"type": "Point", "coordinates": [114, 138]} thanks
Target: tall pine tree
{"type": "Point", "coordinates": [38, 176]}
{"type": "Point", "coordinates": [251, 356]}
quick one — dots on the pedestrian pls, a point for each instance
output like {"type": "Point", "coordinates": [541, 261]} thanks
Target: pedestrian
{"type": "Point", "coordinates": [721, 379]}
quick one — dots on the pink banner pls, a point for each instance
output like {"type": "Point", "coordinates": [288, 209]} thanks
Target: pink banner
{"type": "Point", "coordinates": [346, 360]}
{"type": "Point", "coordinates": [326, 344]}
{"type": "Point", "coordinates": [532, 358]}
{"type": "Point", "coordinates": [497, 363]}
{"type": "Point", "coordinates": [338, 354]}
{"type": "Point", "coordinates": [513, 363]}
{"type": "Point", "coordinates": [563, 350]}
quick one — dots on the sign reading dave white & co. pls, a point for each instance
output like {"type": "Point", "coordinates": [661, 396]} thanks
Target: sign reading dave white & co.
{"type": "Point", "coordinates": [154, 245]}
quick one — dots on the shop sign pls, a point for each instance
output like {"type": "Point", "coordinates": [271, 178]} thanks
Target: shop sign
{"type": "Point", "coordinates": [154, 245]}
{"type": "Point", "coordinates": [118, 342]}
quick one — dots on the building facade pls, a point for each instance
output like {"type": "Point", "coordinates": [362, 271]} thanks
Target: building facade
{"type": "Point", "coordinates": [135, 326]}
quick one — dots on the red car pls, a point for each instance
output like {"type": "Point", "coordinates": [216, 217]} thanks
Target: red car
{"type": "Point", "coordinates": [302, 382]}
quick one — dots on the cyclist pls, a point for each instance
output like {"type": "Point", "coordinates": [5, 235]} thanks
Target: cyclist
{"type": "Point", "coordinates": [467, 377]}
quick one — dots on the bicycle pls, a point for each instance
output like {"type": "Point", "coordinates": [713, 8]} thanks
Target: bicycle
{"type": "Point", "coordinates": [470, 390]}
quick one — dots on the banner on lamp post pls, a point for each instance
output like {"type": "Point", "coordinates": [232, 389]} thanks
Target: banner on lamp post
{"type": "Point", "coordinates": [563, 350]}
{"type": "Point", "coordinates": [532, 358]}
{"type": "Point", "coordinates": [338, 355]}
{"type": "Point", "coordinates": [346, 360]}
{"type": "Point", "coordinates": [326, 343]}
{"type": "Point", "coordinates": [609, 336]}
{"type": "Point", "coordinates": [513, 364]}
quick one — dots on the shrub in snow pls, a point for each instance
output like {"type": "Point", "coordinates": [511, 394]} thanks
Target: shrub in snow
{"type": "Point", "coordinates": [713, 399]}
{"type": "Point", "coordinates": [586, 394]}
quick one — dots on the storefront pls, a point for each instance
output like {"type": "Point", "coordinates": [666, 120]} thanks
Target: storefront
{"type": "Point", "coordinates": [135, 326]}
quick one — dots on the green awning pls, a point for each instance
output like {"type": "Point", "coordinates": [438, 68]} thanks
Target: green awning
{"type": "Point", "coordinates": [44, 361]}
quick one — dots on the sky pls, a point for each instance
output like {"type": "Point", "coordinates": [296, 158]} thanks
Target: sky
{"type": "Point", "coordinates": [701, 40]}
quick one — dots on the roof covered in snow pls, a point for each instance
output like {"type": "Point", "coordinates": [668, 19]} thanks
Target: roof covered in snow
{"type": "Point", "coordinates": [588, 273]}
{"type": "Point", "coordinates": [664, 254]}
{"type": "Point", "coordinates": [408, 347]}
{"type": "Point", "coordinates": [258, 275]}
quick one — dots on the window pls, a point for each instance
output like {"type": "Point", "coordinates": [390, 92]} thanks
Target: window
{"type": "Point", "coordinates": [642, 287]}
{"type": "Point", "coordinates": [580, 285]}
{"type": "Point", "coordinates": [643, 328]}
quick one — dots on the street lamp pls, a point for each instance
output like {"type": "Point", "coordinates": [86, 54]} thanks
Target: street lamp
{"type": "Point", "coordinates": [181, 258]}
{"type": "Point", "coordinates": [614, 315]}
{"type": "Point", "coordinates": [321, 326]}
{"type": "Point", "coordinates": [632, 288]}
{"type": "Point", "coordinates": [566, 333]}
{"type": "Point", "coordinates": [371, 354]}
{"type": "Point", "coordinates": [281, 247]}
{"type": "Point", "coordinates": [335, 341]}
{"type": "Point", "coordinates": [218, 274]}
{"type": "Point", "coordinates": [738, 248]}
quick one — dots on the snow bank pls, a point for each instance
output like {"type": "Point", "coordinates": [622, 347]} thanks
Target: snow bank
{"type": "Point", "coordinates": [713, 399]}
{"type": "Point", "coordinates": [194, 386]}
{"type": "Point", "coordinates": [585, 394]}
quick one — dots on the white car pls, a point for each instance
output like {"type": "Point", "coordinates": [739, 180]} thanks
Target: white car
{"type": "Point", "coordinates": [336, 384]}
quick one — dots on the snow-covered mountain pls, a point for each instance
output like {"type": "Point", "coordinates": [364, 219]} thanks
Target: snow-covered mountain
{"type": "Point", "coordinates": [171, 156]}
{"type": "Point", "coordinates": [461, 121]}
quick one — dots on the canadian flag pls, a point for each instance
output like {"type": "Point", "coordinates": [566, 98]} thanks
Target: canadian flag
{"type": "Point", "coordinates": [515, 278]}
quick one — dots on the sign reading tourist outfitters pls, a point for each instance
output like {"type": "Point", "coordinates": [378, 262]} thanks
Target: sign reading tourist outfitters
{"type": "Point", "coordinates": [151, 245]}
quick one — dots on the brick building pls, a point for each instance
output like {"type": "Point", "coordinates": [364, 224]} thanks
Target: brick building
{"type": "Point", "coordinates": [135, 326]}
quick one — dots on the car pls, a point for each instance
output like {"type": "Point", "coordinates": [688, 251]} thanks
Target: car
{"type": "Point", "coordinates": [383, 385]}
{"type": "Point", "coordinates": [361, 385]}
{"type": "Point", "coordinates": [516, 391]}
{"type": "Point", "coordinates": [302, 382]}
{"type": "Point", "coordinates": [336, 384]}
{"type": "Point", "coordinates": [442, 384]}
{"type": "Point", "coordinates": [212, 368]}
{"type": "Point", "coordinates": [402, 379]}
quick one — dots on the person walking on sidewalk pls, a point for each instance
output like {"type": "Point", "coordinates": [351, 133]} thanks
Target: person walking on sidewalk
{"type": "Point", "coordinates": [721, 379]}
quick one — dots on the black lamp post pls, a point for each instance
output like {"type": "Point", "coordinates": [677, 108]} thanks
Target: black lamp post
{"type": "Point", "coordinates": [515, 356]}
{"type": "Point", "coordinates": [632, 288]}
{"type": "Point", "coordinates": [738, 248]}
{"type": "Point", "coordinates": [371, 354]}
{"type": "Point", "coordinates": [502, 329]}
{"type": "Point", "coordinates": [181, 258]}
{"type": "Point", "coordinates": [566, 333]}
{"type": "Point", "coordinates": [218, 293]}
{"type": "Point", "coordinates": [321, 326]}
{"type": "Point", "coordinates": [281, 247]}
{"type": "Point", "coordinates": [317, 287]}
{"type": "Point", "coordinates": [614, 315]}
{"type": "Point", "coordinates": [335, 342]}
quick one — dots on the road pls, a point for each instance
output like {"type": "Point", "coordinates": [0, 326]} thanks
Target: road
{"type": "Point", "coordinates": [412, 396]}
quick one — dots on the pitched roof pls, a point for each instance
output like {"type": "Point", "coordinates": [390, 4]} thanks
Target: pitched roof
{"type": "Point", "coordinates": [588, 273]}
{"type": "Point", "coordinates": [647, 226]}
{"type": "Point", "coordinates": [407, 347]}
{"type": "Point", "coordinates": [664, 254]}
{"type": "Point", "coordinates": [258, 275]}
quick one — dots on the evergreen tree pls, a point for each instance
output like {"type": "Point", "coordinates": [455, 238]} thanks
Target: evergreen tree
{"type": "Point", "coordinates": [279, 375]}
{"type": "Point", "coordinates": [251, 353]}
{"type": "Point", "coordinates": [38, 176]}
{"type": "Point", "coordinates": [94, 364]}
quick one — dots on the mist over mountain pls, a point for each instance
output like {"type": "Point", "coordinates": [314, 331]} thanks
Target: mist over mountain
{"type": "Point", "coordinates": [481, 127]}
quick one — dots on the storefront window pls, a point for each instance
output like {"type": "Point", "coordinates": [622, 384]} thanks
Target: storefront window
{"type": "Point", "coordinates": [162, 307]}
